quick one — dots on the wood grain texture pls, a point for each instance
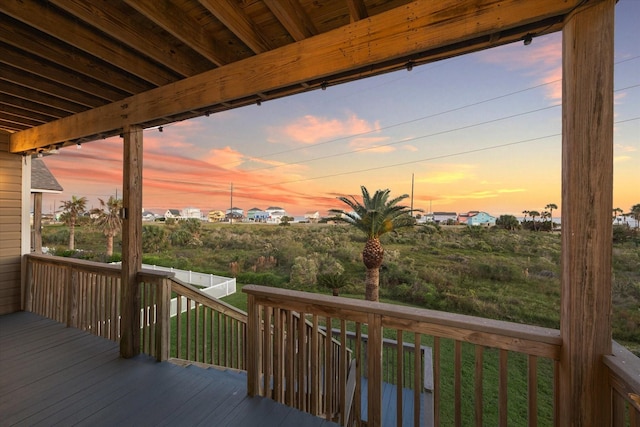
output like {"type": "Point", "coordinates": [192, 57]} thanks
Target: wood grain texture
{"type": "Point", "coordinates": [587, 185]}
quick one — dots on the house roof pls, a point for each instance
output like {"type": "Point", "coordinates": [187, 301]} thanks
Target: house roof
{"type": "Point", "coordinates": [42, 180]}
{"type": "Point", "coordinates": [107, 64]}
{"type": "Point", "coordinates": [274, 208]}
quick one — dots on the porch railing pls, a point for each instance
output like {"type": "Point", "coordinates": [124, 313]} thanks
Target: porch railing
{"type": "Point", "coordinates": [484, 371]}
{"type": "Point", "coordinates": [86, 295]}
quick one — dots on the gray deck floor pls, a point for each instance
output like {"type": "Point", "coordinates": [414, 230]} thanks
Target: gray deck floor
{"type": "Point", "coordinates": [54, 375]}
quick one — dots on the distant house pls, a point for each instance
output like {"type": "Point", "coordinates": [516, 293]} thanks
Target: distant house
{"type": "Point", "coordinates": [312, 216]}
{"type": "Point", "coordinates": [234, 213]}
{"type": "Point", "coordinates": [444, 217]}
{"type": "Point", "coordinates": [42, 181]}
{"type": "Point", "coordinates": [476, 218]}
{"type": "Point", "coordinates": [172, 213]}
{"type": "Point", "coordinates": [191, 213]}
{"type": "Point", "coordinates": [215, 216]}
{"type": "Point", "coordinates": [275, 214]}
{"type": "Point", "coordinates": [148, 216]}
{"type": "Point", "coordinates": [257, 215]}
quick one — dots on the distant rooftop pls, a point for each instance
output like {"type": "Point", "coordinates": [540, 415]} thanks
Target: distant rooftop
{"type": "Point", "coordinates": [42, 180]}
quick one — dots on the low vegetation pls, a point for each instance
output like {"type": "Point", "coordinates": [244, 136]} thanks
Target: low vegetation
{"type": "Point", "coordinates": [495, 273]}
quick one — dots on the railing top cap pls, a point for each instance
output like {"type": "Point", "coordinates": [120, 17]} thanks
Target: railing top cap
{"type": "Point", "coordinates": [479, 324]}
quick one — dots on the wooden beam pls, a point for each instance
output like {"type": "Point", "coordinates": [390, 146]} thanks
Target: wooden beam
{"type": "Point", "coordinates": [117, 21]}
{"type": "Point", "coordinates": [43, 17]}
{"type": "Point", "coordinates": [587, 187]}
{"type": "Point", "coordinates": [174, 21]}
{"type": "Point", "coordinates": [409, 30]}
{"type": "Point", "coordinates": [357, 10]}
{"type": "Point", "coordinates": [238, 23]}
{"type": "Point", "coordinates": [131, 241]}
{"type": "Point", "coordinates": [293, 17]}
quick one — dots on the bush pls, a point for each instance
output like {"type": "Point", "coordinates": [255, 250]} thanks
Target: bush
{"type": "Point", "coordinates": [264, 279]}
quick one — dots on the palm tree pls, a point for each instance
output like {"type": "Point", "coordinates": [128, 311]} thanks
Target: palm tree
{"type": "Point", "coordinates": [551, 207]}
{"type": "Point", "coordinates": [107, 218]}
{"type": "Point", "coordinates": [616, 211]}
{"type": "Point", "coordinates": [72, 209]}
{"type": "Point", "coordinates": [533, 215]}
{"type": "Point", "coordinates": [375, 216]}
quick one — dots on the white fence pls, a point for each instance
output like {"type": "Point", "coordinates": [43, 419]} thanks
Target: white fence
{"type": "Point", "coordinates": [215, 286]}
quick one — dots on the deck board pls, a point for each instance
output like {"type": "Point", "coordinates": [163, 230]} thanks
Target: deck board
{"type": "Point", "coordinates": [53, 375]}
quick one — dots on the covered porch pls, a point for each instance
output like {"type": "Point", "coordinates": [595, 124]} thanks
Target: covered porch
{"type": "Point", "coordinates": [80, 71]}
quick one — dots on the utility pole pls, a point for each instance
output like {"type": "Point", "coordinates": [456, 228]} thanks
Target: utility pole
{"type": "Point", "coordinates": [231, 207]}
{"type": "Point", "coordinates": [412, 194]}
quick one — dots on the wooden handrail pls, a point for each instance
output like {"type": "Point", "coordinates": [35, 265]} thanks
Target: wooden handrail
{"type": "Point", "coordinates": [191, 292]}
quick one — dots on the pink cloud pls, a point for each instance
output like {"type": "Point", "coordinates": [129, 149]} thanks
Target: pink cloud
{"type": "Point", "coordinates": [542, 60]}
{"type": "Point", "coordinates": [312, 129]}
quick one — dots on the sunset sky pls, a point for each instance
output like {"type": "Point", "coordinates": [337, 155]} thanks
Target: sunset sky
{"type": "Point", "coordinates": [479, 132]}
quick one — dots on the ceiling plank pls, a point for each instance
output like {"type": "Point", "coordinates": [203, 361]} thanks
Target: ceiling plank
{"type": "Point", "coordinates": [357, 10]}
{"type": "Point", "coordinates": [174, 21]}
{"type": "Point", "coordinates": [40, 84]}
{"type": "Point", "coordinates": [33, 107]}
{"type": "Point", "coordinates": [39, 97]}
{"type": "Point", "coordinates": [118, 24]}
{"type": "Point", "coordinates": [41, 16]}
{"type": "Point", "coordinates": [15, 35]}
{"type": "Point", "coordinates": [238, 23]}
{"type": "Point", "coordinates": [409, 30]}
{"type": "Point", "coordinates": [19, 120]}
{"type": "Point", "coordinates": [48, 70]}
{"type": "Point", "coordinates": [5, 125]}
{"type": "Point", "coordinates": [293, 18]}
{"type": "Point", "coordinates": [27, 114]}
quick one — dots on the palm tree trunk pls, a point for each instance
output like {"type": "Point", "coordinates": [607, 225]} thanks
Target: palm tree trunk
{"type": "Point", "coordinates": [372, 283]}
{"type": "Point", "coordinates": [72, 237]}
{"type": "Point", "coordinates": [109, 245]}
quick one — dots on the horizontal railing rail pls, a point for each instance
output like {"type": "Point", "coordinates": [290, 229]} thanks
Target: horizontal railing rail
{"type": "Point", "coordinates": [484, 371]}
{"type": "Point", "coordinates": [206, 330]}
{"type": "Point", "coordinates": [624, 377]}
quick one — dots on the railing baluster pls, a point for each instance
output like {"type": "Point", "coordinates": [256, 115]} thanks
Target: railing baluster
{"type": "Point", "coordinates": [328, 371]}
{"type": "Point", "coordinates": [532, 390]}
{"type": "Point", "coordinates": [457, 383]}
{"type": "Point", "coordinates": [290, 338]}
{"type": "Point", "coordinates": [344, 365]}
{"type": "Point", "coordinates": [502, 386]}
{"type": "Point", "coordinates": [479, 370]}
{"type": "Point", "coordinates": [399, 374]}
{"type": "Point", "coordinates": [417, 378]}
{"type": "Point", "coordinates": [436, 381]}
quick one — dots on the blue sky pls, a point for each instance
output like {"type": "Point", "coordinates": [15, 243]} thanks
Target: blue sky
{"type": "Point", "coordinates": [478, 132]}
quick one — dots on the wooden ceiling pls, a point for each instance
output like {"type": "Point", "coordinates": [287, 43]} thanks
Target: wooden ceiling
{"type": "Point", "coordinates": [79, 70]}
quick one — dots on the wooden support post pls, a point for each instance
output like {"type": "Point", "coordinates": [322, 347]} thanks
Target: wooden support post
{"type": "Point", "coordinates": [131, 241]}
{"type": "Point", "coordinates": [163, 328]}
{"type": "Point", "coordinates": [37, 223]}
{"type": "Point", "coordinates": [587, 184]}
{"type": "Point", "coordinates": [253, 347]}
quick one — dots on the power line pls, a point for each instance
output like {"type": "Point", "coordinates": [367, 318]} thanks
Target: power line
{"type": "Point", "coordinates": [444, 156]}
